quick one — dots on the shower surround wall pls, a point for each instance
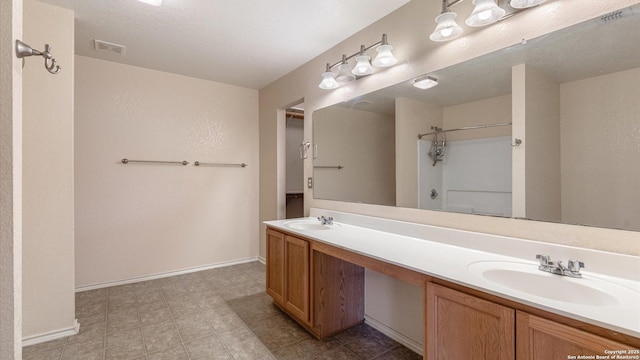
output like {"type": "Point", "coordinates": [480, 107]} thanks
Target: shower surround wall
{"type": "Point", "coordinates": [475, 174]}
{"type": "Point", "coordinates": [138, 220]}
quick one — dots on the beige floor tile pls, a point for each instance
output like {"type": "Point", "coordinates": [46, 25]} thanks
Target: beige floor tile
{"type": "Point", "coordinates": [160, 337]}
{"type": "Point", "coordinates": [86, 350]}
{"type": "Point", "coordinates": [176, 353]}
{"type": "Point", "coordinates": [207, 348]}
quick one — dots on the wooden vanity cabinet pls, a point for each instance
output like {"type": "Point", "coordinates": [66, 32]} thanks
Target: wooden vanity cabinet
{"type": "Point", "coordinates": [540, 339]}
{"type": "Point", "coordinates": [276, 266]}
{"type": "Point", "coordinates": [321, 292]}
{"type": "Point", "coordinates": [288, 273]}
{"type": "Point", "coordinates": [461, 326]}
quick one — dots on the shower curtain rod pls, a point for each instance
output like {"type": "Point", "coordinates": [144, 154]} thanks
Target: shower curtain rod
{"type": "Point", "coordinates": [463, 128]}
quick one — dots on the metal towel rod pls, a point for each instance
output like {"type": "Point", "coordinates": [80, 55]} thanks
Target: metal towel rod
{"type": "Point", "coordinates": [198, 163]}
{"type": "Point", "coordinates": [126, 161]}
{"type": "Point", "coordinates": [329, 167]}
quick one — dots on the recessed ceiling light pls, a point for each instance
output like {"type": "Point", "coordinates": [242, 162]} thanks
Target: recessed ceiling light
{"type": "Point", "coordinates": [152, 2]}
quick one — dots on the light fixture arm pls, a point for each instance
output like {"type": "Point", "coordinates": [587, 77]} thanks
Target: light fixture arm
{"type": "Point", "coordinates": [363, 49]}
{"type": "Point", "coordinates": [446, 5]}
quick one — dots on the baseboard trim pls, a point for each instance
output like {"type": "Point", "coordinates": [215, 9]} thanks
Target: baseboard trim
{"type": "Point", "coordinates": [52, 335]}
{"type": "Point", "coordinates": [262, 260]}
{"type": "Point", "coordinates": [165, 274]}
{"type": "Point", "coordinates": [391, 333]}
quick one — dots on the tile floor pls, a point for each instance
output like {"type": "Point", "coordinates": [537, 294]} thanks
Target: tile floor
{"type": "Point", "coordinates": [214, 314]}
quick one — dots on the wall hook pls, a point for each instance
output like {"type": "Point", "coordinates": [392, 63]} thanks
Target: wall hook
{"type": "Point", "coordinates": [23, 50]}
{"type": "Point", "coordinates": [516, 142]}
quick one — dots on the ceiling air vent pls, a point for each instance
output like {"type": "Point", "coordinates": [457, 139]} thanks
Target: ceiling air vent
{"type": "Point", "coordinates": [109, 47]}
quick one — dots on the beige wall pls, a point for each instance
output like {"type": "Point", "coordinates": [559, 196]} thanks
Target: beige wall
{"type": "Point", "coordinates": [10, 182]}
{"type": "Point", "coordinates": [603, 110]}
{"type": "Point", "coordinates": [412, 118]}
{"type": "Point", "coordinates": [48, 219]}
{"type": "Point", "coordinates": [495, 110]}
{"type": "Point", "coordinates": [540, 148]}
{"type": "Point", "coordinates": [137, 220]}
{"type": "Point", "coordinates": [362, 142]}
{"type": "Point", "coordinates": [408, 30]}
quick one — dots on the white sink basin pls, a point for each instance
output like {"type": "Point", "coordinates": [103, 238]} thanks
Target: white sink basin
{"type": "Point", "coordinates": [307, 225]}
{"type": "Point", "coordinates": [526, 278]}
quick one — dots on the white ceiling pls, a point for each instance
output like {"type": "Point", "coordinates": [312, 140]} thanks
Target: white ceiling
{"type": "Point", "coordinates": [249, 43]}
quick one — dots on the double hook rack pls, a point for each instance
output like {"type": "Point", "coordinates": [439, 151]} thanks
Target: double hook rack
{"type": "Point", "coordinates": [23, 50]}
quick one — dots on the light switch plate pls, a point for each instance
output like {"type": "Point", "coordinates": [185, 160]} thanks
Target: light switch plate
{"type": "Point", "coordinates": [310, 182]}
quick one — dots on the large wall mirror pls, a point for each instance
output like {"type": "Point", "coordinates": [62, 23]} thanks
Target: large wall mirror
{"type": "Point", "coordinates": [544, 130]}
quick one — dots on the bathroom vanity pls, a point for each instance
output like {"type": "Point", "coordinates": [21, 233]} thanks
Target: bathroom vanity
{"type": "Point", "coordinates": [482, 299]}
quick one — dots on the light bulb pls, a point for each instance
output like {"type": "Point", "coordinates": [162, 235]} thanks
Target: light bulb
{"type": "Point", "coordinates": [484, 15]}
{"type": "Point", "coordinates": [485, 12]}
{"type": "Point", "coordinates": [328, 81]}
{"type": "Point", "coordinates": [344, 75]}
{"type": "Point", "coordinates": [447, 28]}
{"type": "Point", "coordinates": [363, 66]}
{"type": "Point", "coordinates": [385, 57]}
{"type": "Point", "coordinates": [523, 4]}
{"type": "Point", "coordinates": [152, 2]}
{"type": "Point", "coordinates": [446, 32]}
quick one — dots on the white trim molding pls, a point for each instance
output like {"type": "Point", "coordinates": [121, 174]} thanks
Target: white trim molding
{"type": "Point", "coordinates": [165, 274]}
{"type": "Point", "coordinates": [52, 335]}
{"type": "Point", "coordinates": [394, 335]}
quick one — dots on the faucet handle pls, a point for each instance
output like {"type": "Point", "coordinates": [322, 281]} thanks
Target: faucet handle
{"type": "Point", "coordinates": [544, 259]}
{"type": "Point", "coordinates": [575, 266]}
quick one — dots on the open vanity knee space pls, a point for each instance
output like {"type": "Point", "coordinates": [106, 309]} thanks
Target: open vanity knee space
{"type": "Point", "coordinates": [473, 305]}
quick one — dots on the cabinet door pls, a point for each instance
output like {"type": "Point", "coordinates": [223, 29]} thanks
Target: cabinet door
{"type": "Point", "coordinates": [542, 339]}
{"type": "Point", "coordinates": [297, 277]}
{"type": "Point", "coordinates": [275, 266]}
{"type": "Point", "coordinates": [461, 326]}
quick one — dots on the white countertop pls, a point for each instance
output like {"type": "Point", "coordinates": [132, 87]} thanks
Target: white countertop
{"type": "Point", "coordinates": [435, 257]}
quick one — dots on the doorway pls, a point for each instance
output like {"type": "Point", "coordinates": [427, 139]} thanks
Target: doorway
{"type": "Point", "coordinates": [295, 153]}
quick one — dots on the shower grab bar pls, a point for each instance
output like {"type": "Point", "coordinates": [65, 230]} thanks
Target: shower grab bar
{"type": "Point", "coordinates": [420, 136]}
{"type": "Point", "coordinates": [198, 163]}
{"type": "Point", "coordinates": [127, 161]}
{"type": "Point", "coordinates": [329, 167]}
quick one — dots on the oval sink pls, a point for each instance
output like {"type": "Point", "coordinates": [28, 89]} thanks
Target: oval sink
{"type": "Point", "coordinates": [526, 278]}
{"type": "Point", "coordinates": [306, 225]}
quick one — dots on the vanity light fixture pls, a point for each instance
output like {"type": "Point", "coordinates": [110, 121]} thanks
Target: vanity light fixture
{"type": "Point", "coordinates": [425, 82]}
{"type": "Point", "coordinates": [523, 4]}
{"type": "Point", "coordinates": [152, 2]}
{"type": "Point", "coordinates": [485, 12]}
{"type": "Point", "coordinates": [328, 80]}
{"type": "Point", "coordinates": [344, 72]}
{"type": "Point", "coordinates": [364, 66]}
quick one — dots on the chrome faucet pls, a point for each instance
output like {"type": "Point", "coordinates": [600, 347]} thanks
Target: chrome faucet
{"type": "Point", "coordinates": [557, 267]}
{"type": "Point", "coordinates": [326, 220]}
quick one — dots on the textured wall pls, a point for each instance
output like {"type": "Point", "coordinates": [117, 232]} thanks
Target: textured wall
{"type": "Point", "coordinates": [10, 182]}
{"type": "Point", "coordinates": [48, 219]}
{"type": "Point", "coordinates": [602, 110]}
{"type": "Point", "coordinates": [412, 118]}
{"type": "Point", "coordinates": [136, 220]}
{"type": "Point", "coordinates": [363, 143]}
